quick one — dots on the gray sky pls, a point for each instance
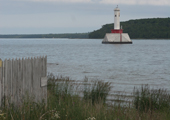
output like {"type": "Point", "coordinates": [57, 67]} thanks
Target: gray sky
{"type": "Point", "coordinates": [73, 16]}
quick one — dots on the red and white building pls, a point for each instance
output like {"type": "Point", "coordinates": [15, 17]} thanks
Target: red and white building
{"type": "Point", "coordinates": [117, 36]}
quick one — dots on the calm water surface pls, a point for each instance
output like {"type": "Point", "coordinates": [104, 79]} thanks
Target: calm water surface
{"type": "Point", "coordinates": [143, 62]}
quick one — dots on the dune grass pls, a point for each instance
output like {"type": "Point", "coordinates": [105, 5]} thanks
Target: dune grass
{"type": "Point", "coordinates": [147, 99]}
{"type": "Point", "coordinates": [65, 104]}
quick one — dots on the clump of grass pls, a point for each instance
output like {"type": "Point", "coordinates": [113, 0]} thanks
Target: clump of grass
{"type": "Point", "coordinates": [60, 86]}
{"type": "Point", "coordinates": [147, 99]}
{"type": "Point", "coordinates": [27, 110]}
{"type": "Point", "coordinates": [96, 91]}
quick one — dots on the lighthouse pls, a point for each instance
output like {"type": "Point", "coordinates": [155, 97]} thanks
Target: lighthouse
{"type": "Point", "coordinates": [117, 18]}
{"type": "Point", "coordinates": [117, 36]}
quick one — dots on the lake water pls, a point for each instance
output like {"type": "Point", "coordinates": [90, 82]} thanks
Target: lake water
{"type": "Point", "coordinates": [126, 66]}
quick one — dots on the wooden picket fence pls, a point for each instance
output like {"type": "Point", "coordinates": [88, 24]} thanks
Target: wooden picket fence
{"type": "Point", "coordinates": [20, 78]}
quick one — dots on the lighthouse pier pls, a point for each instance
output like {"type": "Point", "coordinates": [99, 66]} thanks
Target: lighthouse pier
{"type": "Point", "coordinates": [116, 38]}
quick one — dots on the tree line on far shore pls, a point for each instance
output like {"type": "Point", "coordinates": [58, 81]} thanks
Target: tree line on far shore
{"type": "Point", "coordinates": [64, 35]}
{"type": "Point", "coordinates": [151, 28]}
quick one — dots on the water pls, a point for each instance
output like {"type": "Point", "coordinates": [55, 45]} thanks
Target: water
{"type": "Point", "coordinates": [143, 62]}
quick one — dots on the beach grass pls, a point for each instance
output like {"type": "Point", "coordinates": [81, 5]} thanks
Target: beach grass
{"type": "Point", "coordinates": [63, 103]}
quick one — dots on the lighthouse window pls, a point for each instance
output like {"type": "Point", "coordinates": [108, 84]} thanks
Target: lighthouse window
{"type": "Point", "coordinates": [115, 15]}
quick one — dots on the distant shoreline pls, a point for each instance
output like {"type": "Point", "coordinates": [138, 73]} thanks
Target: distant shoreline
{"type": "Point", "coordinates": [64, 35]}
{"type": "Point", "coordinates": [82, 38]}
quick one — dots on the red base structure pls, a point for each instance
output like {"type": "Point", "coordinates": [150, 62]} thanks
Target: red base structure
{"type": "Point", "coordinates": [117, 31]}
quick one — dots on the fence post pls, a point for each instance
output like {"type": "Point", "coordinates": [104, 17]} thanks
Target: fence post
{"type": "Point", "coordinates": [1, 82]}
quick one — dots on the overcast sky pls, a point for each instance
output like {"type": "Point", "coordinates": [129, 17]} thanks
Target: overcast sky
{"type": "Point", "coordinates": [73, 16]}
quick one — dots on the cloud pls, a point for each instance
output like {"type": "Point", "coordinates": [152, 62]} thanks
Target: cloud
{"type": "Point", "coordinates": [126, 2]}
{"type": "Point", "coordinates": [68, 1]}
{"type": "Point", "coordinates": [137, 2]}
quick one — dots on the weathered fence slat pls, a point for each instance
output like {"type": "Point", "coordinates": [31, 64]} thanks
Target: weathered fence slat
{"type": "Point", "coordinates": [8, 82]}
{"type": "Point", "coordinates": [15, 81]}
{"type": "Point", "coordinates": [44, 75]}
{"type": "Point", "coordinates": [1, 80]}
{"type": "Point", "coordinates": [22, 77]}
{"type": "Point", "coordinates": [20, 80]}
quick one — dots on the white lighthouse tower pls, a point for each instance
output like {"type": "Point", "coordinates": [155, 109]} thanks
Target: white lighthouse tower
{"type": "Point", "coordinates": [117, 36]}
{"type": "Point", "coordinates": [117, 18]}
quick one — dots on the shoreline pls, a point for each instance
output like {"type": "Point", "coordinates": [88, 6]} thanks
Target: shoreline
{"type": "Point", "coordinates": [88, 38]}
